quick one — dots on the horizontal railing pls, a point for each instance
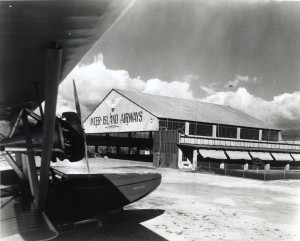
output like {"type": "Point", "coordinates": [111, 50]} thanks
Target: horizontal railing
{"type": "Point", "coordinates": [236, 143]}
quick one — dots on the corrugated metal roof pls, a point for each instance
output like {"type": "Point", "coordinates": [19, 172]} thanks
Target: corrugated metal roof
{"type": "Point", "coordinates": [191, 110]}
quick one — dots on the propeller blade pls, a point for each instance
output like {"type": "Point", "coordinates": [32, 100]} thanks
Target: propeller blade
{"type": "Point", "coordinates": [77, 104]}
{"type": "Point", "coordinates": [78, 110]}
{"type": "Point", "coordinates": [86, 155]}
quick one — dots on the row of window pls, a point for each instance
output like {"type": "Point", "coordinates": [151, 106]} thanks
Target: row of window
{"type": "Point", "coordinates": [200, 129]}
{"type": "Point", "coordinates": [134, 135]}
{"type": "Point", "coordinates": [268, 135]}
{"type": "Point", "coordinates": [124, 150]}
{"type": "Point", "coordinates": [172, 125]}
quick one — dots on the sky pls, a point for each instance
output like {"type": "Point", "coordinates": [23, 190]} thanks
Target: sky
{"type": "Point", "coordinates": [196, 50]}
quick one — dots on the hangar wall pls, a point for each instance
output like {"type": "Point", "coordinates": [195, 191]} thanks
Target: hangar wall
{"type": "Point", "coordinates": [116, 113]}
{"type": "Point", "coordinates": [138, 126]}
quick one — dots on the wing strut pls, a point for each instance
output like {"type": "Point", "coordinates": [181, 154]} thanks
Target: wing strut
{"type": "Point", "coordinates": [53, 67]}
{"type": "Point", "coordinates": [14, 165]}
{"type": "Point", "coordinates": [30, 162]}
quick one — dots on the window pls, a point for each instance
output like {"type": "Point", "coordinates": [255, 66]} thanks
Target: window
{"type": "Point", "coordinates": [140, 135]}
{"type": "Point", "coordinates": [101, 134]}
{"type": "Point", "coordinates": [226, 131]}
{"type": "Point", "coordinates": [102, 149]}
{"type": "Point", "coordinates": [124, 150]}
{"type": "Point", "coordinates": [133, 150]}
{"type": "Point", "coordinates": [119, 134]}
{"type": "Point", "coordinates": [112, 149]}
{"type": "Point", "coordinates": [269, 135]}
{"type": "Point", "coordinates": [172, 125]}
{"type": "Point", "coordinates": [249, 133]}
{"type": "Point", "coordinates": [145, 152]}
{"type": "Point", "coordinates": [201, 130]}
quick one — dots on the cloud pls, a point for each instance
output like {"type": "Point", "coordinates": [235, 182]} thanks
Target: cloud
{"type": "Point", "coordinates": [95, 80]}
{"type": "Point", "coordinates": [207, 90]}
{"type": "Point", "coordinates": [172, 89]}
{"type": "Point", "coordinates": [190, 78]}
{"type": "Point", "coordinates": [241, 78]}
{"type": "Point", "coordinates": [282, 112]}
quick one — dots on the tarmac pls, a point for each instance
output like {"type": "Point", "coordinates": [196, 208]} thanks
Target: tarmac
{"type": "Point", "coordinates": [195, 206]}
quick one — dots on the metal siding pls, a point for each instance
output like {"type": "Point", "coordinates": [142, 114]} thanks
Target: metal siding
{"type": "Point", "coordinates": [189, 110]}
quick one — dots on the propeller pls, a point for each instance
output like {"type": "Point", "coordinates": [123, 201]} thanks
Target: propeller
{"type": "Point", "coordinates": [78, 110]}
{"type": "Point", "coordinates": [69, 140]}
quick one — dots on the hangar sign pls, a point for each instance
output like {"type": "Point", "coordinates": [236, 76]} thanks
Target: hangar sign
{"type": "Point", "coordinates": [115, 119]}
{"type": "Point", "coordinates": [118, 114]}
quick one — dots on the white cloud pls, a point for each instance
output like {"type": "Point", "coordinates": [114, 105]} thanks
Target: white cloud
{"type": "Point", "coordinates": [191, 77]}
{"type": "Point", "coordinates": [207, 90]}
{"type": "Point", "coordinates": [93, 82]}
{"type": "Point", "coordinates": [172, 89]}
{"type": "Point", "coordinates": [282, 112]}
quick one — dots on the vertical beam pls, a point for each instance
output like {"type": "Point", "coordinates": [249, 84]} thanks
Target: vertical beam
{"type": "Point", "coordinates": [238, 133]}
{"type": "Point", "coordinates": [187, 128]}
{"type": "Point", "coordinates": [30, 162]}
{"type": "Point", "coordinates": [180, 164]}
{"type": "Point", "coordinates": [53, 67]}
{"type": "Point", "coordinates": [214, 130]}
{"type": "Point", "coordinates": [194, 162]}
{"type": "Point", "coordinates": [260, 135]}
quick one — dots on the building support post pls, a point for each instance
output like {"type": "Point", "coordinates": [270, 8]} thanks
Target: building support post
{"type": "Point", "coordinates": [267, 167]}
{"type": "Point", "coordinates": [194, 163]}
{"type": "Point", "coordinates": [180, 164]}
{"type": "Point", "coordinates": [214, 131]}
{"type": "Point", "coordinates": [187, 128]}
{"type": "Point", "coordinates": [238, 133]}
{"type": "Point", "coordinates": [287, 167]}
{"type": "Point", "coordinates": [260, 135]}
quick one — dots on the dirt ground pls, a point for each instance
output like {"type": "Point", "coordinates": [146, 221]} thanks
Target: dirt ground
{"type": "Point", "coordinates": [195, 206]}
{"type": "Point", "coordinates": [199, 206]}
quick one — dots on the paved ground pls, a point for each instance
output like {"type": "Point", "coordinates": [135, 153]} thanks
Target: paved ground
{"type": "Point", "coordinates": [198, 206]}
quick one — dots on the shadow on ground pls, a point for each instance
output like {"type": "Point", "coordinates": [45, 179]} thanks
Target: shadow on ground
{"type": "Point", "coordinates": [121, 225]}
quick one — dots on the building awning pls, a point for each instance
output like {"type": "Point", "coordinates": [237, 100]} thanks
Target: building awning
{"type": "Point", "coordinates": [235, 155]}
{"type": "Point", "coordinates": [296, 156]}
{"type": "Point", "coordinates": [265, 156]}
{"type": "Point", "coordinates": [282, 156]}
{"type": "Point", "coordinates": [215, 154]}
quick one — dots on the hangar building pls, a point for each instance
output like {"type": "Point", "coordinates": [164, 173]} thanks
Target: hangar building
{"type": "Point", "coordinates": [175, 132]}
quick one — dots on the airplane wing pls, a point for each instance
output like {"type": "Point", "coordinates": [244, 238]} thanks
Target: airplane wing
{"type": "Point", "coordinates": [41, 41]}
{"type": "Point", "coordinates": [29, 27]}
